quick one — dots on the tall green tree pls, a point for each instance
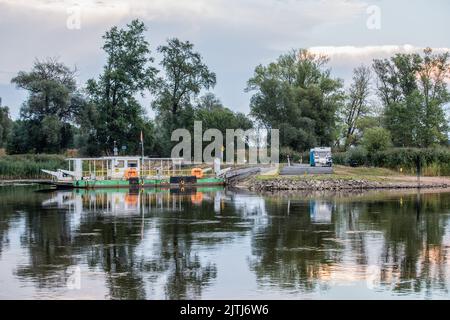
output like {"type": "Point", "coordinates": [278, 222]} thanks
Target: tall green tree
{"type": "Point", "coordinates": [185, 76]}
{"type": "Point", "coordinates": [116, 115]}
{"type": "Point", "coordinates": [213, 114]}
{"type": "Point", "coordinates": [413, 91]}
{"type": "Point", "coordinates": [6, 125]}
{"type": "Point", "coordinates": [357, 104]}
{"type": "Point", "coordinates": [297, 95]}
{"type": "Point", "coordinates": [51, 109]}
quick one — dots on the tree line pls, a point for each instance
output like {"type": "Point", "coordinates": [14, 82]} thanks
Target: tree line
{"type": "Point", "coordinates": [395, 102]}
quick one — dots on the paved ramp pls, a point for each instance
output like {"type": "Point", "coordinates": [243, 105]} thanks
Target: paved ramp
{"type": "Point", "coordinates": [237, 175]}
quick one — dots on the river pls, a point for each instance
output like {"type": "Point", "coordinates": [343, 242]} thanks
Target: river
{"type": "Point", "coordinates": [214, 243]}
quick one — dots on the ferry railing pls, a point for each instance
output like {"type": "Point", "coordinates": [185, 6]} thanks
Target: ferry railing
{"type": "Point", "coordinates": [104, 174]}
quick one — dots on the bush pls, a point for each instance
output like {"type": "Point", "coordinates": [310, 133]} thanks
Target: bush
{"type": "Point", "coordinates": [434, 161]}
{"type": "Point", "coordinates": [340, 158]}
{"type": "Point", "coordinates": [356, 157]}
{"type": "Point", "coordinates": [376, 139]}
{"type": "Point", "coordinates": [294, 156]}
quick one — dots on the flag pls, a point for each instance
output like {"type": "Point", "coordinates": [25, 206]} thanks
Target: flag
{"type": "Point", "coordinates": [142, 137]}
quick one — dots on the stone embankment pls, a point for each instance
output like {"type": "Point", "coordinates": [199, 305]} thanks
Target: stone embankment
{"type": "Point", "coordinates": [282, 183]}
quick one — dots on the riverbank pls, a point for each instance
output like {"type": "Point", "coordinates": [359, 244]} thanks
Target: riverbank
{"type": "Point", "coordinates": [21, 182]}
{"type": "Point", "coordinates": [344, 178]}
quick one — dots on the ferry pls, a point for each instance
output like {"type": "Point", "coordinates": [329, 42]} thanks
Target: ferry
{"type": "Point", "coordinates": [133, 172]}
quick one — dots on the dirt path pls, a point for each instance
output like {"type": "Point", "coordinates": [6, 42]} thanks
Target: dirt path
{"type": "Point", "coordinates": [413, 179]}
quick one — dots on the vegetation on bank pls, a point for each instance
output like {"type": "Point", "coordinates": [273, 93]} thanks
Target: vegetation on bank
{"type": "Point", "coordinates": [28, 166]}
{"type": "Point", "coordinates": [433, 161]}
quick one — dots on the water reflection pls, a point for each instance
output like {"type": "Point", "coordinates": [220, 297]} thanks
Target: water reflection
{"type": "Point", "coordinates": [396, 244]}
{"type": "Point", "coordinates": [216, 243]}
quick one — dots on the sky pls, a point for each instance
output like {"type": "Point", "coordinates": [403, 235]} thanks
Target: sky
{"type": "Point", "coordinates": [233, 36]}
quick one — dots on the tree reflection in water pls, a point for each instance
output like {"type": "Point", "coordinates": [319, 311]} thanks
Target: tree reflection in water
{"type": "Point", "coordinates": [158, 243]}
{"type": "Point", "coordinates": [404, 238]}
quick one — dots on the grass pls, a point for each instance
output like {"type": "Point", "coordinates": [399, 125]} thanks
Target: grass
{"type": "Point", "coordinates": [341, 173]}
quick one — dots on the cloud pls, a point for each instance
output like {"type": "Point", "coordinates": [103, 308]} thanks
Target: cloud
{"type": "Point", "coordinates": [196, 10]}
{"type": "Point", "coordinates": [233, 36]}
{"type": "Point", "coordinates": [99, 8]}
{"type": "Point", "coordinates": [272, 20]}
{"type": "Point", "coordinates": [337, 52]}
{"type": "Point", "coordinates": [345, 58]}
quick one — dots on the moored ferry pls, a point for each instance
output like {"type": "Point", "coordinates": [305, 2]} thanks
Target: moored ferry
{"type": "Point", "coordinates": [133, 172]}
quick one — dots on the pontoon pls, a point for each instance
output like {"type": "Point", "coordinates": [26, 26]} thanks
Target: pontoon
{"type": "Point", "coordinates": [132, 171]}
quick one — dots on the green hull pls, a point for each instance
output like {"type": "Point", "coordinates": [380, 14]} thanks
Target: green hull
{"type": "Point", "coordinates": [91, 184]}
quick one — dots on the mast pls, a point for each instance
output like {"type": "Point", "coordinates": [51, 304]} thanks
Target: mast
{"type": "Point", "coordinates": [142, 155]}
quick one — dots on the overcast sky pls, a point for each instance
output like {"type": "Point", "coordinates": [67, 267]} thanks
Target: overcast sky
{"type": "Point", "coordinates": [233, 36]}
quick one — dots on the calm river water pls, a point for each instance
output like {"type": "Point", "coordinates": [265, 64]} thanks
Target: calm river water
{"type": "Point", "coordinates": [222, 244]}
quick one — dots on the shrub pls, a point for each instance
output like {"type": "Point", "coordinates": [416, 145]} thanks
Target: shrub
{"type": "Point", "coordinates": [356, 157]}
{"type": "Point", "coordinates": [376, 139]}
{"type": "Point", "coordinates": [340, 158]}
{"type": "Point", "coordinates": [294, 156]}
{"type": "Point", "coordinates": [434, 161]}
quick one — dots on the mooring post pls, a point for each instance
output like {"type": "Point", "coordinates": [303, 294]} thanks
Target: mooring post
{"type": "Point", "coordinates": [418, 169]}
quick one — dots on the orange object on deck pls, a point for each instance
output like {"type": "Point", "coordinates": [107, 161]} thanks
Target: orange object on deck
{"type": "Point", "coordinates": [131, 173]}
{"type": "Point", "coordinates": [197, 172]}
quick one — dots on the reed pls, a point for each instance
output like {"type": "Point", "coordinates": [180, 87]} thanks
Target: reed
{"type": "Point", "coordinates": [28, 166]}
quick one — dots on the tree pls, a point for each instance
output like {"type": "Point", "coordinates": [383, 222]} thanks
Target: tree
{"type": "Point", "coordinates": [297, 95]}
{"type": "Point", "coordinates": [6, 125]}
{"type": "Point", "coordinates": [357, 103]}
{"type": "Point", "coordinates": [434, 71]}
{"type": "Point", "coordinates": [215, 115]}
{"type": "Point", "coordinates": [376, 139]}
{"type": "Point", "coordinates": [20, 140]}
{"type": "Point", "coordinates": [413, 91]}
{"type": "Point", "coordinates": [115, 113]}
{"type": "Point", "coordinates": [185, 75]}
{"type": "Point", "coordinates": [53, 97]}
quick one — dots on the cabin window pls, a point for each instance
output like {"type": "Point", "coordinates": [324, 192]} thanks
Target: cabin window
{"type": "Point", "coordinates": [120, 163]}
{"type": "Point", "coordinates": [132, 163]}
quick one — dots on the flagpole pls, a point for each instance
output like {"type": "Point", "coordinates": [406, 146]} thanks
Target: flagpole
{"type": "Point", "coordinates": [142, 159]}
{"type": "Point", "coordinates": [142, 145]}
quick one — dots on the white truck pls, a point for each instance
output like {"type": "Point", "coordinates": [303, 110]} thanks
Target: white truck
{"type": "Point", "coordinates": [320, 157]}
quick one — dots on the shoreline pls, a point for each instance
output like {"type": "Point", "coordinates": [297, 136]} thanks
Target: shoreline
{"type": "Point", "coordinates": [294, 183]}
{"type": "Point", "coordinates": [12, 182]}
{"type": "Point", "coordinates": [343, 178]}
